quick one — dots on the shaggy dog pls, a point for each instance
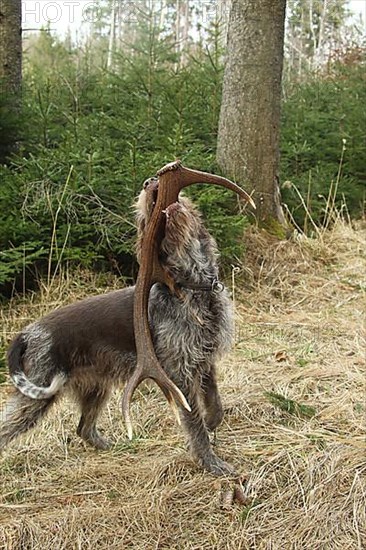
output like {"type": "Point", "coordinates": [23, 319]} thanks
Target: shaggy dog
{"type": "Point", "coordinates": [88, 347]}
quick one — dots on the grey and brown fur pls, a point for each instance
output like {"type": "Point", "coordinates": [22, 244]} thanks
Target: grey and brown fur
{"type": "Point", "coordinates": [88, 347]}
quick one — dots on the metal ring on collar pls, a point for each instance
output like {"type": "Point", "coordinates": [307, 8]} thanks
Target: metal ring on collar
{"type": "Point", "coordinates": [217, 286]}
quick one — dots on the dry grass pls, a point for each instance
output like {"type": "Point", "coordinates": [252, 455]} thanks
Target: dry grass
{"type": "Point", "coordinates": [300, 310]}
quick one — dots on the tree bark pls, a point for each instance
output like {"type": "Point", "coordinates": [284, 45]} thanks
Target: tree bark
{"type": "Point", "coordinates": [10, 45]}
{"type": "Point", "coordinates": [10, 74]}
{"type": "Point", "coordinates": [248, 140]}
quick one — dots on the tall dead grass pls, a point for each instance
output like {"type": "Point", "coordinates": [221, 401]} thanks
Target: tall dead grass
{"type": "Point", "coordinates": [300, 317]}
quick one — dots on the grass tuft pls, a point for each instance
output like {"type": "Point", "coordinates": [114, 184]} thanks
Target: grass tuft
{"type": "Point", "coordinates": [300, 309]}
{"type": "Point", "coordinates": [290, 406]}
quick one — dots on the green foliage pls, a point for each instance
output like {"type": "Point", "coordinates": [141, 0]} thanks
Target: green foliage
{"type": "Point", "coordinates": [90, 136]}
{"type": "Point", "coordinates": [222, 219]}
{"type": "Point", "coordinates": [321, 118]}
{"type": "Point", "coordinates": [10, 122]}
{"type": "Point", "coordinates": [290, 406]}
{"type": "Point", "coordinates": [93, 136]}
{"type": "Point", "coordinates": [15, 259]}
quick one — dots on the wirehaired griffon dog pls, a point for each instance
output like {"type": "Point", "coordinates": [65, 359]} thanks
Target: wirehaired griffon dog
{"type": "Point", "coordinates": [89, 347]}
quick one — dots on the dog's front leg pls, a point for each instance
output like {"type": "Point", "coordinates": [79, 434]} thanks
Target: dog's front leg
{"type": "Point", "coordinates": [198, 438]}
{"type": "Point", "coordinates": [211, 399]}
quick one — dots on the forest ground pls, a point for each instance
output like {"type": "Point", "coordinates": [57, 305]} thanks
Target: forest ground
{"type": "Point", "coordinates": [294, 395]}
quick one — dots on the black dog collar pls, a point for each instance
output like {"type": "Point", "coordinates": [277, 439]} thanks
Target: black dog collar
{"type": "Point", "coordinates": [214, 286]}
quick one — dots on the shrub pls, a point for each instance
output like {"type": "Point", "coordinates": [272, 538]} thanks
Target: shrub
{"type": "Point", "coordinates": [323, 140]}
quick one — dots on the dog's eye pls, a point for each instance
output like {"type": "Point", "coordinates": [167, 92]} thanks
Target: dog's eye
{"type": "Point", "coordinates": [148, 181]}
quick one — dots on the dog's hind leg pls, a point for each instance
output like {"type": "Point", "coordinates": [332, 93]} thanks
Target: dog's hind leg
{"type": "Point", "coordinates": [21, 413]}
{"type": "Point", "coordinates": [91, 402]}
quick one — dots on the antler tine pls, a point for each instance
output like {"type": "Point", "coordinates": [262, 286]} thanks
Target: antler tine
{"type": "Point", "coordinates": [187, 177]}
{"type": "Point", "coordinates": [170, 390]}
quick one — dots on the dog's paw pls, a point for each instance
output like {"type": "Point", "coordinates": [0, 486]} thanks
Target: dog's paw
{"type": "Point", "coordinates": [218, 467]}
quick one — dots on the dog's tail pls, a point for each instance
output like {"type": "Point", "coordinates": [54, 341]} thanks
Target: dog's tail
{"type": "Point", "coordinates": [21, 381]}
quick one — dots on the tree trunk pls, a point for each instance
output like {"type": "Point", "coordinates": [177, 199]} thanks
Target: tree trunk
{"type": "Point", "coordinates": [112, 38]}
{"type": "Point", "coordinates": [248, 140]}
{"type": "Point", "coordinates": [10, 74]}
{"type": "Point", "coordinates": [10, 45]}
{"type": "Point", "coordinates": [319, 54]}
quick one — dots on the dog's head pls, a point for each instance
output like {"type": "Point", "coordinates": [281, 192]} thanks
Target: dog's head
{"type": "Point", "coordinates": [187, 246]}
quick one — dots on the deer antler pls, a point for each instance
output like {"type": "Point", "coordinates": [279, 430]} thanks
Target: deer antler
{"type": "Point", "coordinates": [172, 178]}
